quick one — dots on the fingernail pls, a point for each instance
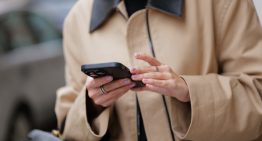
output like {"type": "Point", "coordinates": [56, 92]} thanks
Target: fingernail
{"type": "Point", "coordinates": [133, 69]}
{"type": "Point", "coordinates": [109, 78]}
{"type": "Point", "coordinates": [145, 80]}
{"type": "Point", "coordinates": [126, 81]}
{"type": "Point", "coordinates": [135, 77]}
{"type": "Point", "coordinates": [132, 85]}
{"type": "Point", "coordinates": [137, 54]}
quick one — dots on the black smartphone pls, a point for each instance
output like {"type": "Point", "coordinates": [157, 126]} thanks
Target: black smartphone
{"type": "Point", "coordinates": [114, 69]}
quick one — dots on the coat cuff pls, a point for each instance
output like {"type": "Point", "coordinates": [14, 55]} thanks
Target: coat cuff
{"type": "Point", "coordinates": [77, 126]}
{"type": "Point", "coordinates": [195, 118]}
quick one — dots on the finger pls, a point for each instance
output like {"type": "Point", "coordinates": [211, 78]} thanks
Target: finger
{"type": "Point", "coordinates": [156, 89]}
{"type": "Point", "coordinates": [162, 68]}
{"type": "Point", "coordinates": [150, 60]}
{"type": "Point", "coordinates": [159, 83]}
{"type": "Point", "coordinates": [94, 93]}
{"type": "Point", "coordinates": [149, 87]}
{"type": "Point", "coordinates": [143, 70]}
{"type": "Point", "coordinates": [117, 84]}
{"type": "Point", "coordinates": [111, 101]}
{"type": "Point", "coordinates": [153, 75]}
{"type": "Point", "coordinates": [109, 98]}
{"type": "Point", "coordinates": [165, 68]}
{"type": "Point", "coordinates": [102, 100]}
{"type": "Point", "coordinates": [94, 83]}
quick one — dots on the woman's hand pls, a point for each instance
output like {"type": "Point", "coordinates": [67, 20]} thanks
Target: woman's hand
{"type": "Point", "coordinates": [104, 91]}
{"type": "Point", "coordinates": [160, 78]}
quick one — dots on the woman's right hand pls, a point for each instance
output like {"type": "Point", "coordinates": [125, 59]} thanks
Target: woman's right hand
{"type": "Point", "coordinates": [114, 89]}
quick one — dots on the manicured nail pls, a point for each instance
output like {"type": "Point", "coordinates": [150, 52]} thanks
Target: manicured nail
{"type": "Point", "coordinates": [109, 78]}
{"type": "Point", "coordinates": [135, 76]}
{"type": "Point", "coordinates": [132, 85]}
{"type": "Point", "coordinates": [145, 80]}
{"type": "Point", "coordinates": [126, 81]}
{"type": "Point", "coordinates": [133, 69]}
{"type": "Point", "coordinates": [137, 54]}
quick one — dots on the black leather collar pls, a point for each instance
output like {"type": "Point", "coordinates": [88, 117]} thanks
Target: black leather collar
{"type": "Point", "coordinates": [103, 9]}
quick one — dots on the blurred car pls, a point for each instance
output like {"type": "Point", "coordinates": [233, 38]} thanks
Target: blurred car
{"type": "Point", "coordinates": [31, 65]}
{"type": "Point", "coordinates": [54, 10]}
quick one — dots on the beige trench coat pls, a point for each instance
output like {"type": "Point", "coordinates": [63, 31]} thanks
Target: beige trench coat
{"type": "Point", "coordinates": [216, 46]}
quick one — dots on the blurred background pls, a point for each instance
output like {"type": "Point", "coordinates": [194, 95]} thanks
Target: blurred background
{"type": "Point", "coordinates": [258, 5]}
{"type": "Point", "coordinates": [31, 63]}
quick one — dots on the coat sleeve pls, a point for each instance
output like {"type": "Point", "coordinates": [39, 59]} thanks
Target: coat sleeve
{"type": "Point", "coordinates": [227, 106]}
{"type": "Point", "coordinates": [72, 98]}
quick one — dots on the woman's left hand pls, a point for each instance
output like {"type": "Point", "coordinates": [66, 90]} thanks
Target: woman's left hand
{"type": "Point", "coordinates": [160, 78]}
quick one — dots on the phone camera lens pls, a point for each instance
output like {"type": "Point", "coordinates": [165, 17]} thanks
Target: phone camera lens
{"type": "Point", "coordinates": [100, 73]}
{"type": "Point", "coordinates": [93, 74]}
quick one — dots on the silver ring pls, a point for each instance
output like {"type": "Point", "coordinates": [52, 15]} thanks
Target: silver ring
{"type": "Point", "coordinates": [157, 69]}
{"type": "Point", "coordinates": [102, 90]}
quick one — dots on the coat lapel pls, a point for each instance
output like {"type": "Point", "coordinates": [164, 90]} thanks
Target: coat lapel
{"type": "Point", "coordinates": [103, 9]}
